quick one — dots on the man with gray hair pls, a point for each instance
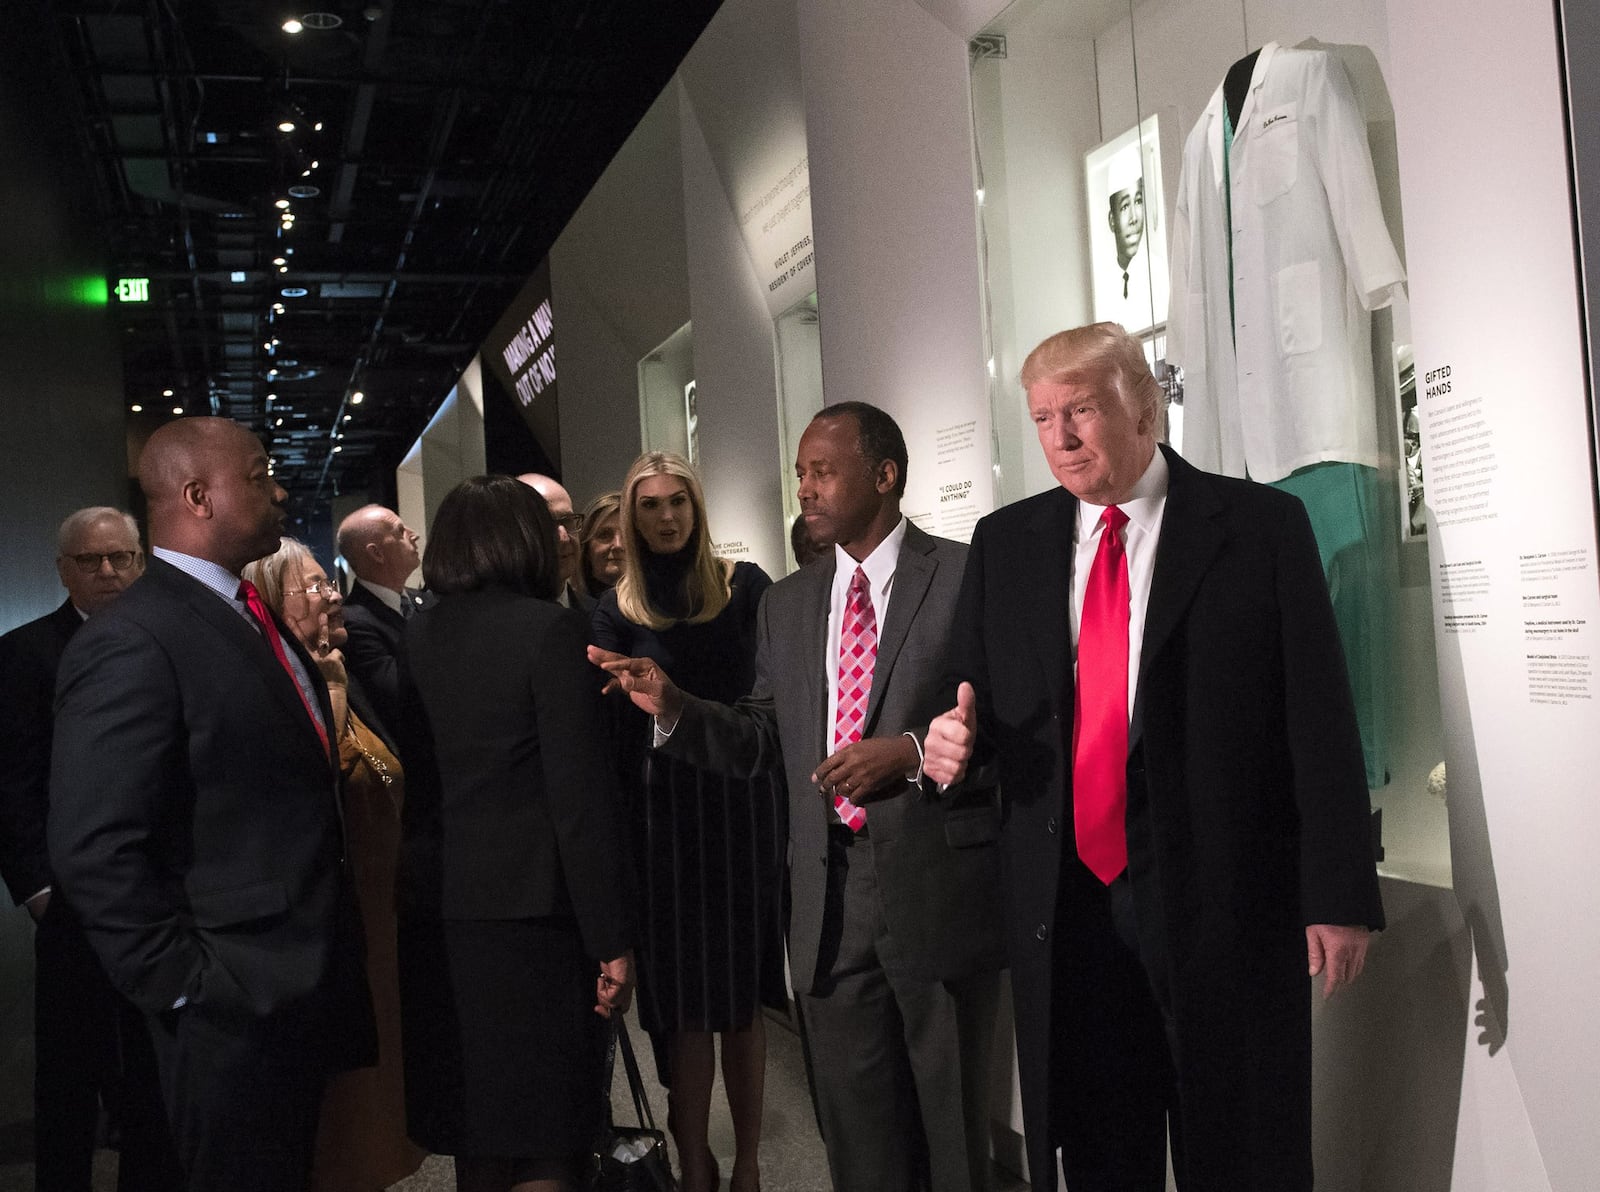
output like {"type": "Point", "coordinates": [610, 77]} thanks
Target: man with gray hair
{"type": "Point", "coordinates": [89, 1042]}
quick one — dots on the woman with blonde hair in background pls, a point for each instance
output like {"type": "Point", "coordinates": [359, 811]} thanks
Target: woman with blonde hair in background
{"type": "Point", "coordinates": [709, 848]}
{"type": "Point", "coordinates": [361, 1139]}
{"type": "Point", "coordinates": [601, 544]}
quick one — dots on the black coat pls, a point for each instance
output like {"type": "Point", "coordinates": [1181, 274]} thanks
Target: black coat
{"type": "Point", "coordinates": [512, 808]}
{"type": "Point", "coordinates": [1247, 802]}
{"type": "Point", "coordinates": [29, 657]}
{"type": "Point", "coordinates": [195, 823]}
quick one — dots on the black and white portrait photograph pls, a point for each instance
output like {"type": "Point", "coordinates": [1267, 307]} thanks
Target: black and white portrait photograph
{"type": "Point", "coordinates": [1127, 228]}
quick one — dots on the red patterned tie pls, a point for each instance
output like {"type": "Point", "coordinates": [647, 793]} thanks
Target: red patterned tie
{"type": "Point", "coordinates": [258, 609]}
{"type": "Point", "coordinates": [1100, 721]}
{"type": "Point", "coordinates": [858, 650]}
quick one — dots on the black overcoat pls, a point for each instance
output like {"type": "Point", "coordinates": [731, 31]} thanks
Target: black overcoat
{"type": "Point", "coordinates": [1247, 803]}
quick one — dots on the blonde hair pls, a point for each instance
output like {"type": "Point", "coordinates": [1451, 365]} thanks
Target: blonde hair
{"type": "Point", "coordinates": [269, 574]}
{"type": "Point", "coordinates": [1099, 354]}
{"type": "Point", "coordinates": [709, 577]}
{"type": "Point", "coordinates": [599, 511]}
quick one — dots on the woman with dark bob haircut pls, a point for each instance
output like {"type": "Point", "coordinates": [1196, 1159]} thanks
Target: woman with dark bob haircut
{"type": "Point", "coordinates": [514, 891]}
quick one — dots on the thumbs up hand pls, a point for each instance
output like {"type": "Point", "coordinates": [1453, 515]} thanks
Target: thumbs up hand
{"type": "Point", "coordinates": [948, 747]}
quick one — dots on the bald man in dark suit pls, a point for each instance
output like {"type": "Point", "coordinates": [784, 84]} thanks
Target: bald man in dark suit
{"type": "Point", "coordinates": [195, 823]}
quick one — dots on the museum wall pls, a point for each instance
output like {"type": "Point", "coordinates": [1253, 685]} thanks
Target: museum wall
{"type": "Point", "coordinates": [62, 420]}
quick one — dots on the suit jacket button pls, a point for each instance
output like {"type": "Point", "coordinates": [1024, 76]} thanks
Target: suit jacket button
{"type": "Point", "coordinates": [1050, 825]}
{"type": "Point", "coordinates": [1040, 932]}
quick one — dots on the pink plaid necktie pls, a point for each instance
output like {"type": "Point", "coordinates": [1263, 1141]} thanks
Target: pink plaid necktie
{"type": "Point", "coordinates": [858, 650]}
{"type": "Point", "coordinates": [1100, 725]}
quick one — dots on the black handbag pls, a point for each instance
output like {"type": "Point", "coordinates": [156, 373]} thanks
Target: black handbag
{"type": "Point", "coordinates": [630, 1158]}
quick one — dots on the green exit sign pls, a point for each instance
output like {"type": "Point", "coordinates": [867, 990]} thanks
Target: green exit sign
{"type": "Point", "coordinates": [133, 289]}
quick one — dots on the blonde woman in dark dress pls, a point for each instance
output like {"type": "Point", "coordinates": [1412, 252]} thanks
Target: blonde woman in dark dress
{"type": "Point", "coordinates": [709, 847]}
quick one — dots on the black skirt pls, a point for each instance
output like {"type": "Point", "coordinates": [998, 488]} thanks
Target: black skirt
{"type": "Point", "coordinates": [504, 1054]}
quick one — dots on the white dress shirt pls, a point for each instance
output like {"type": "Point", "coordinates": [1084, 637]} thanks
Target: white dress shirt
{"type": "Point", "coordinates": [1145, 509]}
{"type": "Point", "coordinates": [392, 600]}
{"type": "Point", "coordinates": [880, 567]}
{"type": "Point", "coordinates": [1287, 381]}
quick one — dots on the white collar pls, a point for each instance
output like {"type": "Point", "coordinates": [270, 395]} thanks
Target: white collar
{"type": "Point", "coordinates": [391, 599]}
{"type": "Point", "coordinates": [1143, 506]}
{"type": "Point", "coordinates": [1213, 112]}
{"type": "Point", "coordinates": [879, 565]}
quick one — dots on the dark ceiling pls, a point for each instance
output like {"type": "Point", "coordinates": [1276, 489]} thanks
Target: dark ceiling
{"type": "Point", "coordinates": [429, 153]}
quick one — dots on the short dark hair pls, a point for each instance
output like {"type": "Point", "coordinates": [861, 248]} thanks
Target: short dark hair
{"type": "Point", "coordinates": [878, 436]}
{"type": "Point", "coordinates": [492, 531]}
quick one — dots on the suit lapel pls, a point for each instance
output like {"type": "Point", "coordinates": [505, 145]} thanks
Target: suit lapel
{"type": "Point", "coordinates": [913, 575]}
{"type": "Point", "coordinates": [1191, 536]}
{"type": "Point", "coordinates": [814, 639]}
{"type": "Point", "coordinates": [250, 643]}
{"type": "Point", "coordinates": [1048, 601]}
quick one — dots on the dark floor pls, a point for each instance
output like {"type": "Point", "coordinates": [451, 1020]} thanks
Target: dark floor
{"type": "Point", "coordinates": [792, 1159]}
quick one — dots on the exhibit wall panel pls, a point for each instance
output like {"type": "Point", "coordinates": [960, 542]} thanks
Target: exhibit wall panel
{"type": "Point", "coordinates": [735, 373]}
{"type": "Point", "coordinates": [1503, 405]}
{"type": "Point", "coordinates": [1037, 120]}
{"type": "Point", "coordinates": [889, 125]}
{"type": "Point", "coordinates": [619, 287]}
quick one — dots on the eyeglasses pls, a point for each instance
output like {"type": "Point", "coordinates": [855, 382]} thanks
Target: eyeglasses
{"type": "Point", "coordinates": [326, 589]}
{"type": "Point", "coordinates": [572, 523]}
{"type": "Point", "coordinates": [89, 563]}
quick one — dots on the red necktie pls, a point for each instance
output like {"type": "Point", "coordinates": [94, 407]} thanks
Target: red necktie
{"type": "Point", "coordinates": [1100, 721]}
{"type": "Point", "coordinates": [858, 650]}
{"type": "Point", "coordinates": [258, 609]}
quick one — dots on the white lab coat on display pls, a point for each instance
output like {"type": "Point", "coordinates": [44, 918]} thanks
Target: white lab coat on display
{"type": "Point", "coordinates": [1288, 382]}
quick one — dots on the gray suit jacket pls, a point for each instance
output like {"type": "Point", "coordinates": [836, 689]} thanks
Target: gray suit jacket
{"type": "Point", "coordinates": [935, 857]}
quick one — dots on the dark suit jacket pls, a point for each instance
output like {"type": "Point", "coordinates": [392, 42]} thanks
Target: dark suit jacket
{"type": "Point", "coordinates": [29, 658]}
{"type": "Point", "coordinates": [935, 858]}
{"type": "Point", "coordinates": [512, 784]}
{"type": "Point", "coordinates": [1247, 802]}
{"type": "Point", "coordinates": [194, 821]}
{"type": "Point", "coordinates": [373, 649]}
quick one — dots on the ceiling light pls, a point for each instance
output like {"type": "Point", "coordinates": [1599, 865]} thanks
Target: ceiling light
{"type": "Point", "coordinates": [357, 397]}
{"type": "Point", "coordinates": [322, 20]}
{"type": "Point", "coordinates": [278, 308]}
{"type": "Point", "coordinates": [292, 25]}
{"type": "Point", "coordinates": [317, 127]}
{"type": "Point", "coordinates": [314, 164]}
{"type": "Point", "coordinates": [166, 393]}
{"type": "Point", "coordinates": [286, 126]}
{"type": "Point", "coordinates": [279, 261]}
{"type": "Point", "coordinates": [279, 422]}
{"type": "Point", "coordinates": [282, 204]}
{"type": "Point", "coordinates": [294, 291]}
{"type": "Point", "coordinates": [177, 409]}
{"type": "Point", "coordinates": [347, 417]}
{"type": "Point", "coordinates": [136, 408]}
{"type": "Point", "coordinates": [338, 447]}
{"type": "Point", "coordinates": [302, 191]}
{"type": "Point", "coordinates": [283, 268]}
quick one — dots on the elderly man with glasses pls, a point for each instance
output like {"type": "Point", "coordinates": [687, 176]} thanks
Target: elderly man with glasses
{"type": "Point", "coordinates": [89, 1041]}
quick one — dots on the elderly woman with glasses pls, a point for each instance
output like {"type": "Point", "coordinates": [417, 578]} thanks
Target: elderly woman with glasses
{"type": "Point", "coordinates": [361, 1141]}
